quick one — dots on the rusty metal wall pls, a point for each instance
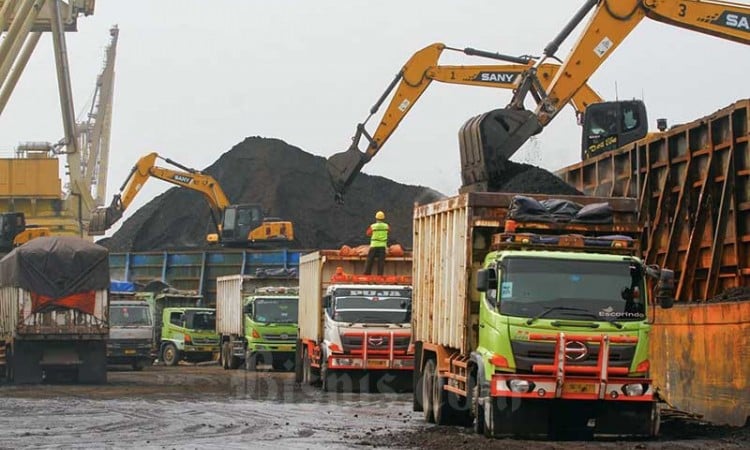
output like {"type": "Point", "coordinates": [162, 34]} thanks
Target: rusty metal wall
{"type": "Point", "coordinates": [704, 359]}
{"type": "Point", "coordinates": [693, 183]}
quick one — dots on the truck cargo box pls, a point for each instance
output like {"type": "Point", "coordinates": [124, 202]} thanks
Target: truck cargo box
{"type": "Point", "coordinates": [231, 291]}
{"type": "Point", "coordinates": [53, 287]}
{"type": "Point", "coordinates": [316, 270]}
{"type": "Point", "coordinates": [451, 239]}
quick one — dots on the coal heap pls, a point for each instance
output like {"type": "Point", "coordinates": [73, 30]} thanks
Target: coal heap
{"type": "Point", "coordinates": [290, 184]}
{"type": "Point", "coordinates": [293, 185]}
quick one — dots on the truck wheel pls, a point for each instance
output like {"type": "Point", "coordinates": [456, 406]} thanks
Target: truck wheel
{"type": "Point", "coordinates": [442, 410]}
{"type": "Point", "coordinates": [477, 406]}
{"type": "Point", "coordinates": [223, 356]}
{"type": "Point", "coordinates": [251, 362]}
{"type": "Point", "coordinates": [170, 355]}
{"type": "Point", "coordinates": [328, 379]}
{"type": "Point", "coordinates": [428, 377]}
{"type": "Point", "coordinates": [490, 411]}
{"type": "Point", "coordinates": [308, 374]}
{"type": "Point", "coordinates": [139, 365]}
{"type": "Point", "coordinates": [233, 362]}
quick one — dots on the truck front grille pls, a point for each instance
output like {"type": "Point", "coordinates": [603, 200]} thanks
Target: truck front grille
{"type": "Point", "coordinates": [529, 353]}
{"type": "Point", "coordinates": [353, 343]}
{"type": "Point", "coordinates": [280, 337]}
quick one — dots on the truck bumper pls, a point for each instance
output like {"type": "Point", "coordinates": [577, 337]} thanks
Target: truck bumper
{"type": "Point", "coordinates": [272, 347]}
{"type": "Point", "coordinates": [127, 355]}
{"type": "Point", "coordinates": [357, 362]}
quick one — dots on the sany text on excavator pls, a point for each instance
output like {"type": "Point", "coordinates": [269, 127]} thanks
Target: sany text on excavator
{"type": "Point", "coordinates": [237, 225]}
{"type": "Point", "coordinates": [415, 77]}
{"type": "Point", "coordinates": [490, 139]}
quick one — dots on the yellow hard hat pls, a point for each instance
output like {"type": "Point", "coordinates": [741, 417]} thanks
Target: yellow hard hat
{"type": "Point", "coordinates": [380, 215]}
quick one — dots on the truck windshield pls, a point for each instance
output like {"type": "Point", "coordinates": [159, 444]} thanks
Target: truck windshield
{"type": "Point", "coordinates": [200, 320]}
{"type": "Point", "coordinates": [275, 310]}
{"type": "Point", "coordinates": [572, 289]}
{"type": "Point", "coordinates": [372, 309]}
{"type": "Point", "coordinates": [129, 316]}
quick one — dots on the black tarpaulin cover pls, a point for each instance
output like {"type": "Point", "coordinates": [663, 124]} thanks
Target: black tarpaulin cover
{"type": "Point", "coordinates": [56, 266]}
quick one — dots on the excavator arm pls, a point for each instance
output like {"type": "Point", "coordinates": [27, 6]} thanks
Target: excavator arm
{"type": "Point", "coordinates": [145, 168]}
{"type": "Point", "coordinates": [415, 77]}
{"type": "Point", "coordinates": [609, 25]}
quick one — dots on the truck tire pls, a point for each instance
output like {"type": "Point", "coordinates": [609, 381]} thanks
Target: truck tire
{"type": "Point", "coordinates": [476, 404]}
{"type": "Point", "coordinates": [442, 411]}
{"type": "Point", "coordinates": [428, 377]}
{"type": "Point", "coordinates": [233, 362]}
{"type": "Point", "coordinates": [298, 363]}
{"type": "Point", "coordinates": [93, 368]}
{"type": "Point", "coordinates": [170, 355]}
{"type": "Point", "coordinates": [308, 372]}
{"type": "Point", "coordinates": [328, 379]}
{"type": "Point", "coordinates": [139, 365]}
{"type": "Point", "coordinates": [251, 362]}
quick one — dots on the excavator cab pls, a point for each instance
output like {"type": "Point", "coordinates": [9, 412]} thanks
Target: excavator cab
{"type": "Point", "coordinates": [245, 224]}
{"type": "Point", "coordinates": [11, 224]}
{"type": "Point", "coordinates": [611, 125]}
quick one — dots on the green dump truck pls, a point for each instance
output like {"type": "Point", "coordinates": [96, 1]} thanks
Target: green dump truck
{"type": "Point", "coordinates": [257, 321]}
{"type": "Point", "coordinates": [531, 316]}
{"type": "Point", "coordinates": [182, 329]}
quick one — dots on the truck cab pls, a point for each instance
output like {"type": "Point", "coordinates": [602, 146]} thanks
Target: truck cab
{"type": "Point", "coordinates": [271, 327]}
{"type": "Point", "coordinates": [367, 327]}
{"type": "Point", "coordinates": [188, 334]}
{"type": "Point", "coordinates": [131, 329]}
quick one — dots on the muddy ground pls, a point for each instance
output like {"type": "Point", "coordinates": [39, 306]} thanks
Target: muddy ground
{"type": "Point", "coordinates": [207, 407]}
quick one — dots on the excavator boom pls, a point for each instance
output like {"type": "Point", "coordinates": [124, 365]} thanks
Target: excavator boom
{"type": "Point", "coordinates": [235, 224]}
{"type": "Point", "coordinates": [610, 23]}
{"type": "Point", "coordinates": [411, 82]}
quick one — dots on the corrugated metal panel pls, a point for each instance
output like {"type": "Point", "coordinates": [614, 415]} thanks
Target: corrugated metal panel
{"type": "Point", "coordinates": [316, 270]}
{"type": "Point", "coordinates": [30, 177]}
{"type": "Point", "coordinates": [229, 305]}
{"type": "Point", "coordinates": [703, 366]}
{"type": "Point", "coordinates": [694, 188]}
{"type": "Point", "coordinates": [8, 311]}
{"type": "Point", "coordinates": [310, 307]}
{"type": "Point", "coordinates": [441, 252]}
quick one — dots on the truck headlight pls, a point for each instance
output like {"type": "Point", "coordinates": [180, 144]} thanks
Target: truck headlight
{"type": "Point", "coordinates": [520, 386]}
{"type": "Point", "coordinates": [633, 390]}
{"type": "Point", "coordinates": [403, 363]}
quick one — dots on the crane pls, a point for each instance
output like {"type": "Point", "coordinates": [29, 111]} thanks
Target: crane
{"type": "Point", "coordinates": [414, 78]}
{"type": "Point", "coordinates": [236, 225]}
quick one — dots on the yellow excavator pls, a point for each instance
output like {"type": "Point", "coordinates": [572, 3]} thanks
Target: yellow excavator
{"type": "Point", "coordinates": [607, 125]}
{"type": "Point", "coordinates": [14, 231]}
{"type": "Point", "coordinates": [488, 140]}
{"type": "Point", "coordinates": [236, 225]}
{"type": "Point", "coordinates": [415, 77]}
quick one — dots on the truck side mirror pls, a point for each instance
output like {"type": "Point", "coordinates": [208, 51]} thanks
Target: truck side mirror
{"type": "Point", "coordinates": [486, 279]}
{"type": "Point", "coordinates": [665, 289]}
{"type": "Point", "coordinates": [326, 302]}
{"type": "Point", "coordinates": [248, 309]}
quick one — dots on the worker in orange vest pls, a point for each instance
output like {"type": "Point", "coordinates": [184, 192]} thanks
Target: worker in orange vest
{"type": "Point", "coordinates": [378, 233]}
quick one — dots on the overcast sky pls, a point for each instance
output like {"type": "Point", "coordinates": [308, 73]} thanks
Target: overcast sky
{"type": "Point", "coordinates": [196, 77]}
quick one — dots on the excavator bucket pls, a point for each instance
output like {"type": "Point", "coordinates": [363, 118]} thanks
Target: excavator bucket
{"type": "Point", "coordinates": [343, 167]}
{"type": "Point", "coordinates": [487, 141]}
{"type": "Point", "coordinates": [102, 219]}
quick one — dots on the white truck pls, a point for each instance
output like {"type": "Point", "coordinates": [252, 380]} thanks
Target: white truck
{"type": "Point", "coordinates": [353, 325]}
{"type": "Point", "coordinates": [54, 306]}
{"type": "Point", "coordinates": [256, 319]}
{"type": "Point", "coordinates": [131, 331]}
